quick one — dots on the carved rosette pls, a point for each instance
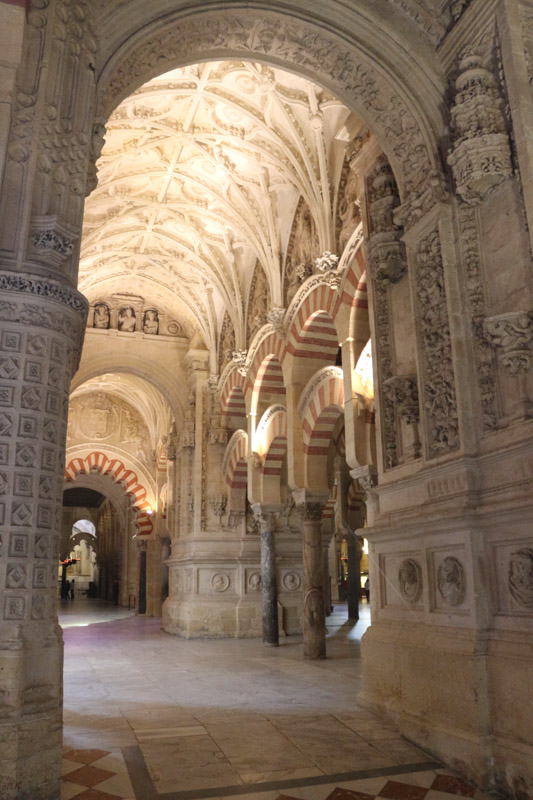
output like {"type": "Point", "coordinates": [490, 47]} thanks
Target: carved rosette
{"type": "Point", "coordinates": [403, 392]}
{"type": "Point", "coordinates": [511, 335]}
{"type": "Point", "coordinates": [521, 577]}
{"type": "Point", "coordinates": [481, 156]}
{"type": "Point", "coordinates": [439, 395]}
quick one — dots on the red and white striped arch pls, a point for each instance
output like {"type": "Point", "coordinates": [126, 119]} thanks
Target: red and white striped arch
{"type": "Point", "coordinates": [115, 469]}
{"type": "Point", "coordinates": [271, 345]}
{"type": "Point", "coordinates": [269, 384]}
{"type": "Point", "coordinates": [235, 470]}
{"type": "Point", "coordinates": [272, 439]}
{"type": "Point", "coordinates": [321, 405]}
{"type": "Point", "coordinates": [359, 319]}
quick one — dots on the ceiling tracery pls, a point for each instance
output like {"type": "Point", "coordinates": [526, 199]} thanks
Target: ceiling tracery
{"type": "Point", "coordinates": [199, 180]}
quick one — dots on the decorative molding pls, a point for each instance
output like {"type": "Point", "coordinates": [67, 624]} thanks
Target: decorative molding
{"type": "Point", "coordinates": [437, 372]}
{"type": "Point", "coordinates": [481, 154]}
{"type": "Point", "coordinates": [511, 334]}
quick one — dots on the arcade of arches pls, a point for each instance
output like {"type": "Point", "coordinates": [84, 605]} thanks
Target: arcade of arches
{"type": "Point", "coordinates": [267, 277]}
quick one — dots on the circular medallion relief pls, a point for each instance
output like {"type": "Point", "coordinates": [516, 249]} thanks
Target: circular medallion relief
{"type": "Point", "coordinates": [451, 581]}
{"type": "Point", "coordinates": [254, 582]}
{"type": "Point", "coordinates": [173, 328]}
{"type": "Point", "coordinates": [410, 580]}
{"type": "Point", "coordinates": [245, 84]}
{"type": "Point", "coordinates": [291, 581]}
{"type": "Point", "coordinates": [521, 577]}
{"type": "Point", "coordinates": [220, 582]}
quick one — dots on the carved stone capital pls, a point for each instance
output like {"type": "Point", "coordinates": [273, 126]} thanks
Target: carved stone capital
{"type": "Point", "coordinates": [52, 240]}
{"type": "Point", "coordinates": [511, 335]}
{"type": "Point", "coordinates": [367, 477]}
{"type": "Point", "coordinates": [276, 317]}
{"type": "Point", "coordinates": [310, 504]}
{"type": "Point", "coordinates": [218, 504]}
{"type": "Point", "coordinates": [386, 257]}
{"type": "Point", "coordinates": [265, 516]}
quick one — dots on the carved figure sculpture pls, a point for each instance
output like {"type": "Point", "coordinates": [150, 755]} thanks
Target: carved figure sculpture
{"type": "Point", "coordinates": [101, 316]}
{"type": "Point", "coordinates": [451, 581]}
{"type": "Point", "coordinates": [127, 319]}
{"type": "Point", "coordinates": [151, 321]}
{"type": "Point", "coordinates": [410, 580]}
{"type": "Point", "coordinates": [521, 577]}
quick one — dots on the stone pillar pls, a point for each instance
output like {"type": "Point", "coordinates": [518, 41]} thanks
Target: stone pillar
{"type": "Point", "coordinates": [326, 541]}
{"type": "Point", "coordinates": [354, 574]}
{"type": "Point", "coordinates": [269, 590]}
{"type": "Point", "coordinates": [141, 605]}
{"type": "Point", "coordinates": [41, 328]}
{"type": "Point", "coordinates": [310, 505]}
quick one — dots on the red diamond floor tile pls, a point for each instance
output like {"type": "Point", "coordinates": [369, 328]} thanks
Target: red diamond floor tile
{"type": "Point", "coordinates": [394, 790]}
{"type": "Point", "coordinates": [89, 776]}
{"type": "Point", "coordinates": [453, 785]}
{"type": "Point", "coordinates": [84, 756]}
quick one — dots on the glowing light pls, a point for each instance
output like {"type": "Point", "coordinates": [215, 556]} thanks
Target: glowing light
{"type": "Point", "coordinates": [365, 546]}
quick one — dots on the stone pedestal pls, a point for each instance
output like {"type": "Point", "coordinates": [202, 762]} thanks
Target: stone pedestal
{"type": "Point", "coordinates": [41, 324]}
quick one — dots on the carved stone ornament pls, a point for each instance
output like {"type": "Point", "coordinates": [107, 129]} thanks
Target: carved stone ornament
{"type": "Point", "coordinates": [327, 261]}
{"type": "Point", "coordinates": [52, 240]}
{"type": "Point", "coordinates": [276, 317]}
{"type": "Point", "coordinates": [386, 257]}
{"type": "Point", "coordinates": [220, 582]}
{"type": "Point", "coordinates": [437, 372]}
{"type": "Point", "coordinates": [403, 391]}
{"type": "Point", "coordinates": [451, 581]}
{"type": "Point", "coordinates": [386, 252]}
{"type": "Point", "coordinates": [254, 582]}
{"type": "Point", "coordinates": [367, 477]}
{"type": "Point", "coordinates": [511, 334]}
{"type": "Point", "coordinates": [218, 504]}
{"type": "Point", "coordinates": [310, 511]}
{"type": "Point", "coordinates": [410, 580]}
{"type": "Point", "coordinates": [481, 156]}
{"type": "Point", "coordinates": [291, 581]}
{"type": "Point", "coordinates": [521, 577]}
{"type": "Point", "coordinates": [188, 433]}
{"type": "Point", "coordinates": [239, 357]}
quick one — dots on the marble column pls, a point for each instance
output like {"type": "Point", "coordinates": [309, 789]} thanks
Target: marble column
{"type": "Point", "coordinates": [326, 541]}
{"type": "Point", "coordinates": [41, 329]}
{"type": "Point", "coordinates": [269, 590]}
{"type": "Point", "coordinates": [141, 605]}
{"type": "Point", "coordinates": [310, 505]}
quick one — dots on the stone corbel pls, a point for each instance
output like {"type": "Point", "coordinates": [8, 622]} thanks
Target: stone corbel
{"type": "Point", "coordinates": [386, 256]}
{"type": "Point", "coordinates": [218, 504]}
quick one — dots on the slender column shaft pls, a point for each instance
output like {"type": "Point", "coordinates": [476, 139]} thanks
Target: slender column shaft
{"type": "Point", "coordinates": [269, 589]}
{"type": "Point", "coordinates": [354, 578]}
{"type": "Point", "coordinates": [314, 620]}
{"type": "Point", "coordinates": [142, 580]}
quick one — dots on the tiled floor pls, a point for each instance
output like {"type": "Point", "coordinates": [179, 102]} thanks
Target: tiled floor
{"type": "Point", "coordinates": [153, 717]}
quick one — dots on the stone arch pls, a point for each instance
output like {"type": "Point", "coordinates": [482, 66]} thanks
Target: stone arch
{"type": "Point", "coordinates": [264, 345]}
{"type": "Point", "coordinates": [269, 386]}
{"type": "Point", "coordinates": [361, 64]}
{"type": "Point", "coordinates": [98, 462]}
{"type": "Point", "coordinates": [320, 406]}
{"type": "Point", "coordinates": [235, 471]}
{"type": "Point", "coordinates": [271, 444]}
{"type": "Point", "coordinates": [234, 410]}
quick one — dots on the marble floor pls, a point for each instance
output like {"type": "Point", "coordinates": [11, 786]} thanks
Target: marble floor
{"type": "Point", "coordinates": [153, 717]}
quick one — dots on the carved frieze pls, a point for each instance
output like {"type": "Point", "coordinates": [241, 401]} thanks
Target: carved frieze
{"type": "Point", "coordinates": [439, 394]}
{"type": "Point", "coordinates": [403, 392]}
